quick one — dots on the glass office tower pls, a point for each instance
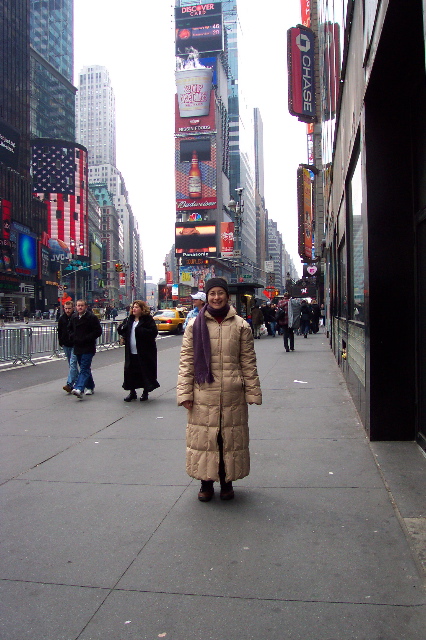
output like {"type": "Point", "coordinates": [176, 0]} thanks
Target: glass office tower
{"type": "Point", "coordinates": [52, 91]}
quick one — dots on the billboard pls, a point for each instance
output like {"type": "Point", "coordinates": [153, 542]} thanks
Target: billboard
{"type": "Point", "coordinates": [301, 72]}
{"type": "Point", "coordinates": [227, 239]}
{"type": "Point", "coordinates": [331, 69]}
{"type": "Point", "coordinates": [6, 256]}
{"type": "Point", "coordinates": [195, 173]}
{"type": "Point", "coordinates": [26, 250]}
{"type": "Point", "coordinates": [199, 26]}
{"type": "Point", "coordinates": [9, 145]}
{"type": "Point", "coordinates": [305, 9]}
{"type": "Point", "coordinates": [195, 239]}
{"type": "Point", "coordinates": [305, 205]}
{"type": "Point", "coordinates": [186, 125]}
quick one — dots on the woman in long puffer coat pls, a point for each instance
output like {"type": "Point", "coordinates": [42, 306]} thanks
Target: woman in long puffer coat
{"type": "Point", "coordinates": [140, 361]}
{"type": "Point", "coordinates": [217, 379]}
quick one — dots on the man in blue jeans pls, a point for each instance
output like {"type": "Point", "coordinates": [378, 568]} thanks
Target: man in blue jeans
{"type": "Point", "coordinates": [84, 331]}
{"type": "Point", "coordinates": [64, 339]}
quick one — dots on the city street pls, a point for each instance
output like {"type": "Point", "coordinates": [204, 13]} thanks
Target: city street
{"type": "Point", "coordinates": [103, 537]}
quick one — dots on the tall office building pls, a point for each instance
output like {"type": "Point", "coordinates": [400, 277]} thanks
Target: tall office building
{"type": "Point", "coordinates": [52, 91]}
{"type": "Point", "coordinates": [95, 116]}
{"type": "Point", "coordinates": [96, 129]}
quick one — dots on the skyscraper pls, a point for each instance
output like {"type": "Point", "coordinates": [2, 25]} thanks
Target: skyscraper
{"type": "Point", "coordinates": [52, 91]}
{"type": "Point", "coordinates": [95, 129]}
{"type": "Point", "coordinates": [95, 116]}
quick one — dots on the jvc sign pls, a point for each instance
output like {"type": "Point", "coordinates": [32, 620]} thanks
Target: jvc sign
{"type": "Point", "coordinates": [301, 71]}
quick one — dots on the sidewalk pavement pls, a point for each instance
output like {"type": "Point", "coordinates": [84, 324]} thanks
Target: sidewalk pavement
{"type": "Point", "coordinates": [103, 537]}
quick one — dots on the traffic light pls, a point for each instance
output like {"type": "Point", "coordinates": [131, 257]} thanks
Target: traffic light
{"type": "Point", "coordinates": [58, 275]}
{"type": "Point", "coordinates": [118, 267]}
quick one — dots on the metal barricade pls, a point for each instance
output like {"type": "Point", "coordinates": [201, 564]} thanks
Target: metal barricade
{"type": "Point", "coordinates": [109, 338]}
{"type": "Point", "coordinates": [19, 345]}
{"type": "Point", "coordinates": [15, 345]}
{"type": "Point", "coordinates": [45, 341]}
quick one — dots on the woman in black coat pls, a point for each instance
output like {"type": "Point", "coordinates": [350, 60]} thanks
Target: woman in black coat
{"type": "Point", "coordinates": [140, 363]}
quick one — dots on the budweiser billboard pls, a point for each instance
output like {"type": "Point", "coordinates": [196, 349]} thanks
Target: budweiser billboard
{"type": "Point", "coordinates": [305, 9]}
{"type": "Point", "coordinates": [301, 72]}
{"type": "Point", "coordinates": [195, 173]}
{"type": "Point", "coordinates": [305, 181]}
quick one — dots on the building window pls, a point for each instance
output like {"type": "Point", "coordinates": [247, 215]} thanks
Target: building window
{"type": "Point", "coordinates": [58, 214]}
{"type": "Point", "coordinates": [357, 310]}
{"type": "Point", "coordinates": [342, 291]}
{"type": "Point", "coordinates": [75, 215]}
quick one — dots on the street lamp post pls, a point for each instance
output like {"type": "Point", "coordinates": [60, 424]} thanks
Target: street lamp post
{"type": "Point", "coordinates": [73, 246]}
{"type": "Point", "coordinates": [237, 208]}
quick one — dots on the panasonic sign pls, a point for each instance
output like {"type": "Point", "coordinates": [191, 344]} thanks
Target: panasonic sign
{"type": "Point", "coordinates": [301, 68]}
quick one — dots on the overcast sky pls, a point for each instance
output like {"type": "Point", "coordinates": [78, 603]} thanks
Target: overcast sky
{"type": "Point", "coordinates": [135, 42]}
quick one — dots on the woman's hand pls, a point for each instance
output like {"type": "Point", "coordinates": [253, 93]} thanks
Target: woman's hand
{"type": "Point", "coordinates": [188, 404]}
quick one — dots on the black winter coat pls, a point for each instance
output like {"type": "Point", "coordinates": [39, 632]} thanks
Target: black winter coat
{"type": "Point", "coordinates": [84, 332]}
{"type": "Point", "coordinates": [144, 374]}
{"type": "Point", "coordinates": [64, 326]}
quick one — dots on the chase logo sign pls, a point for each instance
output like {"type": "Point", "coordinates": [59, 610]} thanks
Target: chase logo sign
{"type": "Point", "coordinates": [301, 72]}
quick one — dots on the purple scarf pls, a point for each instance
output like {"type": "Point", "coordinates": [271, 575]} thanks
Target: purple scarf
{"type": "Point", "coordinates": [201, 342]}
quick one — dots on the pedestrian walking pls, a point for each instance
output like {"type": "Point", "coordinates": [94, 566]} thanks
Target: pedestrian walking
{"type": "Point", "coordinates": [140, 352]}
{"type": "Point", "coordinates": [217, 379]}
{"type": "Point", "coordinates": [198, 300]}
{"type": "Point", "coordinates": [114, 313]}
{"type": "Point", "coordinates": [288, 319]}
{"type": "Point", "coordinates": [2, 316]}
{"type": "Point", "coordinates": [64, 339]}
{"type": "Point", "coordinates": [305, 318]}
{"type": "Point", "coordinates": [85, 328]}
{"type": "Point", "coordinates": [257, 320]}
{"type": "Point", "coordinates": [315, 315]}
{"type": "Point", "coordinates": [26, 315]}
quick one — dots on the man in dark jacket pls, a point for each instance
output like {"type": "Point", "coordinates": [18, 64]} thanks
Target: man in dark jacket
{"type": "Point", "coordinates": [85, 329]}
{"type": "Point", "coordinates": [65, 342]}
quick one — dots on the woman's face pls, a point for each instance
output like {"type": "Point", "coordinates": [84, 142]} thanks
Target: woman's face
{"type": "Point", "coordinates": [136, 310]}
{"type": "Point", "coordinates": [217, 297]}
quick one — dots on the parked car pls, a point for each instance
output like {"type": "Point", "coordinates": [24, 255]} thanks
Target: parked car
{"type": "Point", "coordinates": [169, 320]}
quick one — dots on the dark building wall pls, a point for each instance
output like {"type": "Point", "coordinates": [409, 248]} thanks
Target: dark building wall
{"type": "Point", "coordinates": [14, 104]}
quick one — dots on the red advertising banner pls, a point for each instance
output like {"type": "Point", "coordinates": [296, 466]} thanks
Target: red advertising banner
{"type": "Point", "coordinates": [305, 179]}
{"type": "Point", "coordinates": [227, 239]}
{"type": "Point", "coordinates": [122, 279]}
{"type": "Point", "coordinates": [301, 71]}
{"type": "Point", "coordinates": [305, 8]}
{"type": "Point", "coordinates": [195, 173]}
{"type": "Point", "coordinates": [195, 124]}
{"type": "Point", "coordinates": [331, 70]}
{"type": "Point", "coordinates": [6, 259]}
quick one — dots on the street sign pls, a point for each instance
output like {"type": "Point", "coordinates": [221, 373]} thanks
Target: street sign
{"type": "Point", "coordinates": [269, 266]}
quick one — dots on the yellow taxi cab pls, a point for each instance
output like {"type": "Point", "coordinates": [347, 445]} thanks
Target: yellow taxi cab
{"type": "Point", "coordinates": [169, 320]}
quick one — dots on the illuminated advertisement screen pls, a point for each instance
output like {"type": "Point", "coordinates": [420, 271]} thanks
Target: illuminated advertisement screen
{"type": "Point", "coordinates": [305, 179]}
{"type": "Point", "coordinates": [25, 250]}
{"type": "Point", "coordinates": [199, 26]}
{"type": "Point", "coordinates": [195, 173]}
{"type": "Point", "coordinates": [195, 239]}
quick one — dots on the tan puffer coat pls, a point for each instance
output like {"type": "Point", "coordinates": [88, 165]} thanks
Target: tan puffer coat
{"type": "Point", "coordinates": [221, 404]}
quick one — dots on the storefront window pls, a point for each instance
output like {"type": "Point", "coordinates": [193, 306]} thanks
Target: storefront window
{"type": "Point", "coordinates": [342, 279]}
{"type": "Point", "coordinates": [357, 245]}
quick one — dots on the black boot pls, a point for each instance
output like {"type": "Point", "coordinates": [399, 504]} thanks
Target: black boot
{"type": "Point", "coordinates": [226, 491]}
{"type": "Point", "coordinates": [132, 396]}
{"type": "Point", "coordinates": [144, 396]}
{"type": "Point", "coordinates": [206, 491]}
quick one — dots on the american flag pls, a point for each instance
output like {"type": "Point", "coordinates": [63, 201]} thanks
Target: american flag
{"type": "Point", "coordinates": [60, 178]}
